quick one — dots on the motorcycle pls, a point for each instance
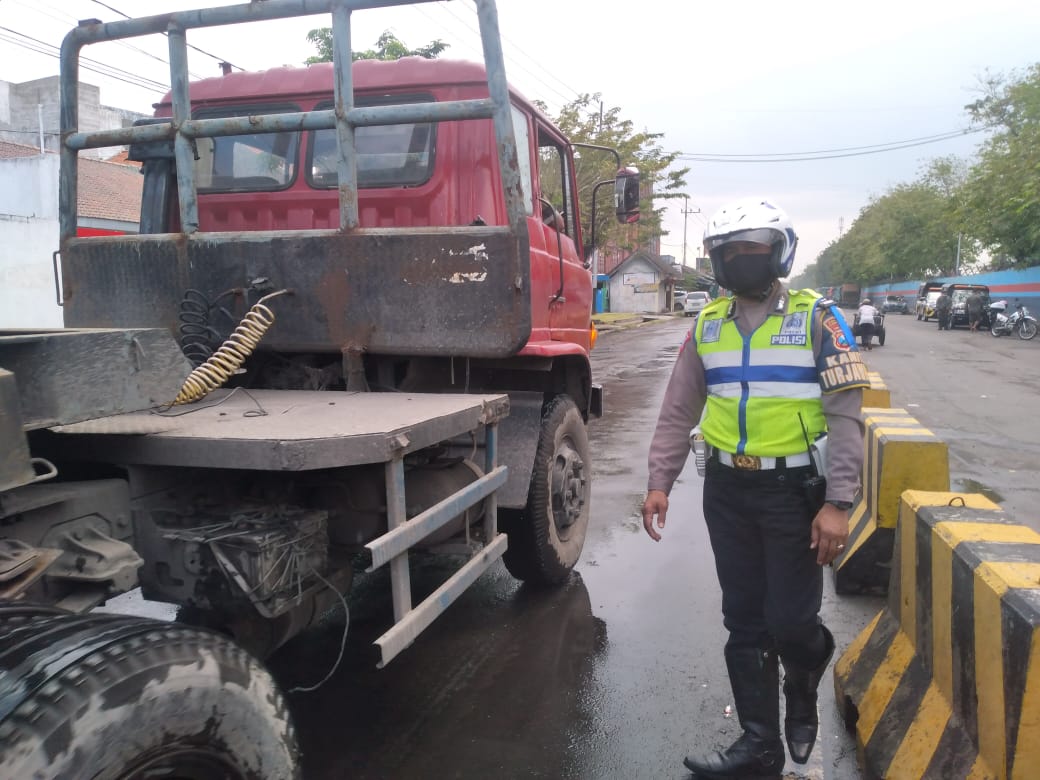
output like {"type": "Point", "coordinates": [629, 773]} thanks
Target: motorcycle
{"type": "Point", "coordinates": [1002, 324]}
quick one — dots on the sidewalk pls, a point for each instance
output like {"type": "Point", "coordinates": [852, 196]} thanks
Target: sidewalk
{"type": "Point", "coordinates": [607, 322]}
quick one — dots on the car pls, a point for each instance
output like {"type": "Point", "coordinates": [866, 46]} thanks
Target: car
{"type": "Point", "coordinates": [695, 303]}
{"type": "Point", "coordinates": [895, 303]}
{"type": "Point", "coordinates": [927, 295]}
{"type": "Point", "coordinates": [678, 298]}
{"type": "Point", "coordinates": [959, 296]}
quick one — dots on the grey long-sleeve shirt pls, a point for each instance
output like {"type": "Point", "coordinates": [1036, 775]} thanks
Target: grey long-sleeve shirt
{"type": "Point", "coordinates": [685, 396]}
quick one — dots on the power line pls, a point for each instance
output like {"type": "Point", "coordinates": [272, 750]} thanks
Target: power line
{"type": "Point", "coordinates": [513, 61]}
{"type": "Point", "coordinates": [196, 48]}
{"type": "Point", "coordinates": [527, 56]}
{"type": "Point", "coordinates": [42, 47]}
{"type": "Point", "coordinates": [855, 151]}
{"type": "Point", "coordinates": [72, 21]}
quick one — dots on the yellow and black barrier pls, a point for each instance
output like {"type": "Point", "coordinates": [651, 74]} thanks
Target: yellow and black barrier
{"type": "Point", "coordinates": [945, 682]}
{"type": "Point", "coordinates": [877, 395]}
{"type": "Point", "coordinates": [901, 454]}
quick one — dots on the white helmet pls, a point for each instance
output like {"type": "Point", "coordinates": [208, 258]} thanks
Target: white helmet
{"type": "Point", "coordinates": [752, 219]}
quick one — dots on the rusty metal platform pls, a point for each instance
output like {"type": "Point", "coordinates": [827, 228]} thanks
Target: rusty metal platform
{"type": "Point", "coordinates": [281, 430]}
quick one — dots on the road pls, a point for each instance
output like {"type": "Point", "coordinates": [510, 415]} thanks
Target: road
{"type": "Point", "coordinates": [977, 393]}
{"type": "Point", "coordinates": [618, 675]}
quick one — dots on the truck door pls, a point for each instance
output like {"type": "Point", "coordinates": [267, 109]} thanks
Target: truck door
{"type": "Point", "coordinates": [569, 282]}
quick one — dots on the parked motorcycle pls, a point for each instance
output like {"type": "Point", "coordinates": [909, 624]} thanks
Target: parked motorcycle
{"type": "Point", "coordinates": [1003, 324]}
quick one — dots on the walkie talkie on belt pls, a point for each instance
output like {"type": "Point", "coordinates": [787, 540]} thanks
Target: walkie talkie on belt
{"type": "Point", "coordinates": [815, 485]}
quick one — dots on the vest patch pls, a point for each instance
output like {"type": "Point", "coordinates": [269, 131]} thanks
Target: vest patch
{"type": "Point", "coordinates": [711, 332]}
{"type": "Point", "coordinates": [837, 333]}
{"type": "Point", "coordinates": [842, 371]}
{"type": "Point", "coordinates": [793, 325]}
{"type": "Point", "coordinates": [788, 341]}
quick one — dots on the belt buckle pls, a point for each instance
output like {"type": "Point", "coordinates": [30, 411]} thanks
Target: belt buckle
{"type": "Point", "coordinates": [747, 462]}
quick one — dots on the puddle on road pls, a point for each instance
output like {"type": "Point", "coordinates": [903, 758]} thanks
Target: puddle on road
{"type": "Point", "coordinates": [974, 486]}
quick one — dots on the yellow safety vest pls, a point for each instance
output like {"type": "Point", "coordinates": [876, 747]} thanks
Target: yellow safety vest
{"type": "Point", "coordinates": [757, 385]}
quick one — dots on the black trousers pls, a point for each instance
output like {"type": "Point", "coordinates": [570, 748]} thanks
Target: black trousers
{"type": "Point", "coordinates": [760, 526]}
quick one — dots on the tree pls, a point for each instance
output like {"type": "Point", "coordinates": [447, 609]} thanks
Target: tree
{"type": "Point", "coordinates": [388, 47]}
{"type": "Point", "coordinates": [584, 121]}
{"type": "Point", "coordinates": [913, 230]}
{"type": "Point", "coordinates": [1001, 199]}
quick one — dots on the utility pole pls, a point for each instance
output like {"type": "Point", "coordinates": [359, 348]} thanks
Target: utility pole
{"type": "Point", "coordinates": [686, 213]}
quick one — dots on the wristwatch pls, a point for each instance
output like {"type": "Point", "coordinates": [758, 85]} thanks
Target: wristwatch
{"type": "Point", "coordinates": [844, 506]}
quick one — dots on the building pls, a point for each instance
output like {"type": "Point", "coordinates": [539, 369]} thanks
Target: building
{"type": "Point", "coordinates": [31, 111]}
{"type": "Point", "coordinates": [109, 194]}
{"type": "Point", "coordinates": [643, 282]}
{"type": "Point", "coordinates": [109, 201]}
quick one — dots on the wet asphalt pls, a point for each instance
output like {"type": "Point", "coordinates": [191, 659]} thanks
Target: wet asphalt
{"type": "Point", "coordinates": [618, 674]}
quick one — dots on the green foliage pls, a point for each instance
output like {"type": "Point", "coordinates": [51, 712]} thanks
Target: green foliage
{"type": "Point", "coordinates": [583, 120]}
{"type": "Point", "coordinates": [1001, 199]}
{"type": "Point", "coordinates": [911, 231]}
{"type": "Point", "coordinates": [991, 204]}
{"type": "Point", "coordinates": [388, 47]}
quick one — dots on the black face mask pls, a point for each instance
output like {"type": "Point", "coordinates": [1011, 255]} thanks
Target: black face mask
{"type": "Point", "coordinates": [749, 275]}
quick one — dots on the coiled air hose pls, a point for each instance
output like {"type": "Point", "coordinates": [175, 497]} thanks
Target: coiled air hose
{"type": "Point", "coordinates": [229, 357]}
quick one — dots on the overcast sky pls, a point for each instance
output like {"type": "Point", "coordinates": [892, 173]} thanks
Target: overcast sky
{"type": "Point", "coordinates": [749, 78]}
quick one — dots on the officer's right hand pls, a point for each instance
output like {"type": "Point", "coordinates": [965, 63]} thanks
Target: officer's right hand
{"type": "Point", "coordinates": [656, 504]}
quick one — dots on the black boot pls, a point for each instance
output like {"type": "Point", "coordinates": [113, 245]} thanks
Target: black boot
{"type": "Point", "coordinates": [755, 680]}
{"type": "Point", "coordinates": [800, 684]}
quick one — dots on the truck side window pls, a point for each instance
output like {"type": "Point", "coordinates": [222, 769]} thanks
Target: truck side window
{"type": "Point", "coordinates": [523, 154]}
{"type": "Point", "coordinates": [554, 178]}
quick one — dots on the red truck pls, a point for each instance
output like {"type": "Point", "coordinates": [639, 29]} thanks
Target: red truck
{"type": "Point", "coordinates": [375, 276]}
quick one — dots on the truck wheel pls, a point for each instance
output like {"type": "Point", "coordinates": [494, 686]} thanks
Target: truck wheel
{"type": "Point", "coordinates": [546, 537]}
{"type": "Point", "coordinates": [881, 337]}
{"type": "Point", "coordinates": [117, 698]}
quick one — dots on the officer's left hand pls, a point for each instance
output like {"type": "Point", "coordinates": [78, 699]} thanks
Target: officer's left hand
{"type": "Point", "coordinates": [830, 531]}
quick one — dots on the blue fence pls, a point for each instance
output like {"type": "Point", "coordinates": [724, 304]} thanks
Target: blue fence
{"type": "Point", "coordinates": [1013, 286]}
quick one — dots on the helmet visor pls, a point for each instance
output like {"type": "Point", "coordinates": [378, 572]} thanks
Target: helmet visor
{"type": "Point", "coordinates": [766, 236]}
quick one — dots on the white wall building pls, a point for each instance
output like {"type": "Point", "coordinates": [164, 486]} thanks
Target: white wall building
{"type": "Point", "coordinates": [109, 195]}
{"type": "Point", "coordinates": [642, 283]}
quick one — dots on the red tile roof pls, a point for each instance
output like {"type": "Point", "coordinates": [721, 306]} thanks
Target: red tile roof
{"type": "Point", "coordinates": [109, 190]}
{"type": "Point", "coordinates": [9, 150]}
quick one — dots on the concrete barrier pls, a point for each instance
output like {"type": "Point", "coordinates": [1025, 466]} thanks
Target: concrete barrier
{"type": "Point", "coordinates": [877, 395]}
{"type": "Point", "coordinates": [945, 682]}
{"type": "Point", "coordinates": [901, 454]}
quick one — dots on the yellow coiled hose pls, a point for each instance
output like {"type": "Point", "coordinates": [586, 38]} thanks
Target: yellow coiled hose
{"type": "Point", "coordinates": [222, 364]}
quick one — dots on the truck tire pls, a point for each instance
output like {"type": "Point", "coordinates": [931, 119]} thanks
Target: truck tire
{"type": "Point", "coordinates": [881, 337]}
{"type": "Point", "coordinates": [546, 537]}
{"type": "Point", "coordinates": [117, 698]}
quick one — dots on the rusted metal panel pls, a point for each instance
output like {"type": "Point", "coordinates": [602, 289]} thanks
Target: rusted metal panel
{"type": "Point", "coordinates": [283, 430]}
{"type": "Point", "coordinates": [442, 291]}
{"type": "Point", "coordinates": [64, 376]}
{"type": "Point", "coordinates": [15, 467]}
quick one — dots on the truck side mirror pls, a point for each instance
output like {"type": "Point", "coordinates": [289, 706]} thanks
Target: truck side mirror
{"type": "Point", "coordinates": [626, 195]}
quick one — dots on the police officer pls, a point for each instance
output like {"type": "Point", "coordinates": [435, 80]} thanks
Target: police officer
{"type": "Point", "coordinates": [761, 371]}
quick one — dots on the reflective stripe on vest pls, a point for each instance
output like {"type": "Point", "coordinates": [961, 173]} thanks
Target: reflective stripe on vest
{"type": "Point", "coordinates": [758, 384]}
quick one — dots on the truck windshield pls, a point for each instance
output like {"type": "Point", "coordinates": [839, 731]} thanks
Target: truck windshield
{"type": "Point", "coordinates": [387, 156]}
